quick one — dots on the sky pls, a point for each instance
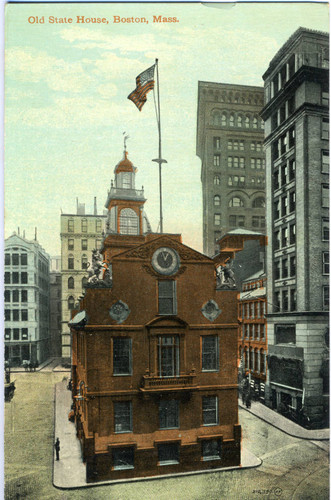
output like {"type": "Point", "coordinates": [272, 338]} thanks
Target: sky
{"type": "Point", "coordinates": [66, 106]}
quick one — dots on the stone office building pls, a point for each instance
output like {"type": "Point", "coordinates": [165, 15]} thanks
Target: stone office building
{"type": "Point", "coordinates": [26, 283]}
{"type": "Point", "coordinates": [296, 116]}
{"type": "Point", "coordinates": [230, 145]}
{"type": "Point", "coordinates": [154, 354]}
{"type": "Point", "coordinates": [80, 234]}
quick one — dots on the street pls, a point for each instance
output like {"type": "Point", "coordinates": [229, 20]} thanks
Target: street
{"type": "Point", "coordinates": [292, 468]}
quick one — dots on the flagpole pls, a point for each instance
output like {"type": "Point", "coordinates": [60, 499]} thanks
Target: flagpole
{"type": "Point", "coordinates": [159, 160]}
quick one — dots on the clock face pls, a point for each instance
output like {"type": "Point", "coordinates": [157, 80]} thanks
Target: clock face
{"type": "Point", "coordinates": [165, 261]}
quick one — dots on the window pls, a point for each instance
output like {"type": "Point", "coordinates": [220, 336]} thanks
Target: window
{"type": "Point", "coordinates": [217, 160]}
{"type": "Point", "coordinates": [123, 416]}
{"type": "Point", "coordinates": [236, 202]}
{"type": "Point", "coordinates": [230, 162]}
{"type": "Point", "coordinates": [168, 453]}
{"type": "Point", "coordinates": [242, 162]}
{"type": "Point", "coordinates": [209, 410]}
{"type": "Point", "coordinates": [24, 315]}
{"type": "Point", "coordinates": [122, 356]}
{"type": "Point", "coordinates": [235, 145]}
{"type": "Point", "coordinates": [231, 120]}
{"type": "Point", "coordinates": [70, 225]}
{"type": "Point", "coordinates": [16, 314]}
{"type": "Point", "coordinates": [325, 99]}
{"type": "Point", "coordinates": [292, 265]}
{"type": "Point", "coordinates": [15, 277]}
{"type": "Point", "coordinates": [129, 222]}
{"type": "Point", "coordinates": [15, 259]}
{"type": "Point", "coordinates": [217, 201]}
{"type": "Point", "coordinates": [253, 162]}
{"type": "Point", "coordinates": [24, 333]}
{"type": "Point", "coordinates": [239, 121]}
{"type": "Point", "coordinates": [325, 196]}
{"type": "Point", "coordinates": [325, 162]}
{"type": "Point", "coordinates": [230, 144]}
{"type": "Point", "coordinates": [253, 146]}
{"type": "Point", "coordinates": [258, 221]}
{"type": "Point", "coordinates": [7, 277]}
{"type": "Point", "coordinates": [291, 170]}
{"type": "Point", "coordinates": [71, 303]}
{"type": "Point", "coordinates": [284, 205]}
{"type": "Point", "coordinates": [259, 202]}
{"type": "Point", "coordinates": [7, 295]}
{"type": "Point", "coordinates": [71, 244]}
{"type": "Point", "coordinates": [123, 458]}
{"type": "Point", "coordinates": [210, 354]}
{"type": "Point", "coordinates": [7, 314]}
{"type": "Point", "coordinates": [16, 334]}
{"type": "Point", "coordinates": [247, 121]}
{"type": "Point", "coordinates": [325, 229]}
{"type": "Point", "coordinates": [236, 162]}
{"type": "Point", "coordinates": [284, 236]}
{"type": "Point", "coordinates": [24, 278]}
{"type": "Point", "coordinates": [217, 142]}
{"type": "Point", "coordinates": [292, 201]}
{"type": "Point", "coordinates": [284, 268]}
{"type": "Point", "coordinates": [7, 333]}
{"type": "Point", "coordinates": [168, 355]}
{"type": "Point", "coordinates": [84, 262]}
{"type": "Point", "coordinates": [217, 219]}
{"type": "Point", "coordinates": [292, 234]}
{"type": "Point", "coordinates": [70, 262]}
{"type": "Point", "coordinates": [24, 259]}
{"type": "Point", "coordinates": [167, 297]}
{"type": "Point", "coordinates": [84, 244]}
{"type": "Point", "coordinates": [325, 128]}
{"type": "Point", "coordinates": [98, 222]}
{"type": "Point", "coordinates": [84, 282]}
{"type": "Point", "coordinates": [325, 260]}
{"type": "Point", "coordinates": [293, 299]}
{"type": "Point", "coordinates": [254, 122]}
{"type": "Point", "coordinates": [169, 414]}
{"type": "Point", "coordinates": [84, 225]}
{"type": "Point", "coordinates": [7, 259]}
{"type": "Point", "coordinates": [211, 449]}
{"type": "Point", "coordinates": [16, 295]}
{"type": "Point", "coordinates": [326, 298]}
{"type": "Point", "coordinates": [71, 283]}
{"type": "Point", "coordinates": [217, 180]}
{"type": "Point", "coordinates": [285, 334]}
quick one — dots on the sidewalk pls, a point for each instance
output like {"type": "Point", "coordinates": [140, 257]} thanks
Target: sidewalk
{"type": "Point", "coordinates": [69, 471]}
{"type": "Point", "coordinates": [51, 364]}
{"type": "Point", "coordinates": [284, 424]}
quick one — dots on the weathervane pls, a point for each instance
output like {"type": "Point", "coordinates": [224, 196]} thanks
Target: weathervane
{"type": "Point", "coordinates": [125, 139]}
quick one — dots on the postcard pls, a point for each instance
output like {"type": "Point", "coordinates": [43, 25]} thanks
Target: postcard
{"type": "Point", "coordinates": [126, 126]}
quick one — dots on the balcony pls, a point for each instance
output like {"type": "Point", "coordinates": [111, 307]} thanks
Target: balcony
{"type": "Point", "coordinates": [125, 194]}
{"type": "Point", "coordinates": [177, 383]}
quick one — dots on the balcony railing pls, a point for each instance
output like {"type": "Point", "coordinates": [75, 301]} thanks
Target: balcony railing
{"type": "Point", "coordinates": [179, 383]}
{"type": "Point", "coordinates": [126, 193]}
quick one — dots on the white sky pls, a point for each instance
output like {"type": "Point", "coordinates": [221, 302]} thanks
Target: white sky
{"type": "Point", "coordinates": [67, 108]}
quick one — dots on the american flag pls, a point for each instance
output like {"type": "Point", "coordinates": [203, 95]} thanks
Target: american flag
{"type": "Point", "coordinates": [145, 83]}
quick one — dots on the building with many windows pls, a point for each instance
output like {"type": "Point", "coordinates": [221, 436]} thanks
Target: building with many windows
{"type": "Point", "coordinates": [80, 234]}
{"type": "Point", "coordinates": [296, 115]}
{"type": "Point", "coordinates": [154, 345]}
{"type": "Point", "coordinates": [230, 145]}
{"type": "Point", "coordinates": [55, 297]}
{"type": "Point", "coordinates": [26, 282]}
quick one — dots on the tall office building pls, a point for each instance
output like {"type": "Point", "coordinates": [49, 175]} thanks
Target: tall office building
{"type": "Point", "coordinates": [27, 335]}
{"type": "Point", "coordinates": [80, 234]}
{"type": "Point", "coordinates": [55, 306]}
{"type": "Point", "coordinates": [229, 144]}
{"type": "Point", "coordinates": [296, 119]}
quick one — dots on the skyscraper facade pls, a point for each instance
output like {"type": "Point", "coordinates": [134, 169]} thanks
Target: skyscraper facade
{"type": "Point", "coordinates": [230, 146]}
{"type": "Point", "coordinates": [296, 116]}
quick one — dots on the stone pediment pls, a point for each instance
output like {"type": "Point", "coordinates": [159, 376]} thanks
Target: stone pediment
{"type": "Point", "coordinates": [146, 250]}
{"type": "Point", "coordinates": [166, 322]}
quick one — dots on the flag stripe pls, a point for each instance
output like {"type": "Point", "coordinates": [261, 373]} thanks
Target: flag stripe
{"type": "Point", "coordinates": [144, 84]}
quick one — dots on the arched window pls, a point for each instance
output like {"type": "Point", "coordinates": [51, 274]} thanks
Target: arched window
{"type": "Point", "coordinates": [71, 282]}
{"type": "Point", "coordinates": [84, 261]}
{"type": "Point", "coordinates": [217, 180]}
{"type": "Point", "coordinates": [71, 302]}
{"type": "Point", "coordinates": [254, 122]}
{"type": "Point", "coordinates": [129, 223]}
{"type": "Point", "coordinates": [247, 121]}
{"type": "Point", "coordinates": [84, 281]}
{"type": "Point", "coordinates": [259, 202]}
{"type": "Point", "coordinates": [223, 120]}
{"type": "Point", "coordinates": [231, 120]}
{"type": "Point", "coordinates": [239, 121]}
{"type": "Point", "coordinates": [217, 201]}
{"type": "Point", "coordinates": [236, 202]}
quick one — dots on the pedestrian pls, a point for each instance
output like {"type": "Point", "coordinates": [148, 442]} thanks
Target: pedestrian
{"type": "Point", "coordinates": [248, 400]}
{"type": "Point", "coordinates": [57, 448]}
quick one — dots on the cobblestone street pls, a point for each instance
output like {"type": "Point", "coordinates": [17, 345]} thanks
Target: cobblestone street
{"type": "Point", "coordinates": [292, 468]}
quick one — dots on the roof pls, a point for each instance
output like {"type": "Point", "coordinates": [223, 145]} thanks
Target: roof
{"type": "Point", "coordinates": [243, 231]}
{"type": "Point", "coordinates": [125, 165]}
{"type": "Point", "coordinates": [253, 294]}
{"type": "Point", "coordinates": [259, 274]}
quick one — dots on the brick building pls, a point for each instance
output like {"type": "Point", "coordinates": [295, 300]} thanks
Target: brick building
{"type": "Point", "coordinates": [296, 116]}
{"type": "Point", "coordinates": [154, 356]}
{"type": "Point", "coordinates": [230, 146]}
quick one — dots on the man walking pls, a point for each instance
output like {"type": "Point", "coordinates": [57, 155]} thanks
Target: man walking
{"type": "Point", "coordinates": [57, 448]}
